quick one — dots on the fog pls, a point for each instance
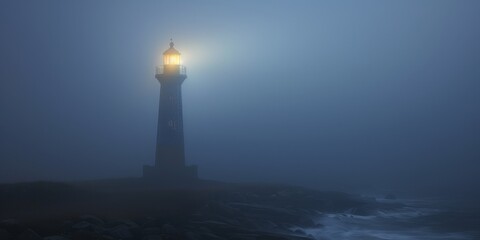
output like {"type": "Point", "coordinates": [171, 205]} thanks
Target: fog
{"type": "Point", "coordinates": [324, 94]}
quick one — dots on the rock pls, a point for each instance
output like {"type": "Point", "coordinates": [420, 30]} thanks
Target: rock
{"type": "Point", "coordinates": [151, 223]}
{"type": "Point", "coordinates": [29, 234]}
{"type": "Point", "coordinates": [67, 224]}
{"type": "Point", "coordinates": [190, 236]}
{"type": "Point", "coordinates": [223, 209]}
{"type": "Point", "coordinates": [129, 223]}
{"type": "Point", "coordinates": [270, 237]}
{"type": "Point", "coordinates": [211, 236]}
{"type": "Point", "coordinates": [86, 226]}
{"type": "Point", "coordinates": [57, 237]}
{"type": "Point", "coordinates": [4, 234]}
{"type": "Point", "coordinates": [203, 230]}
{"type": "Point", "coordinates": [93, 220]}
{"type": "Point", "coordinates": [12, 226]}
{"type": "Point", "coordinates": [82, 226]}
{"type": "Point", "coordinates": [153, 237]}
{"type": "Point", "coordinates": [120, 232]}
{"type": "Point", "coordinates": [169, 229]}
{"type": "Point", "coordinates": [86, 235]}
{"type": "Point", "coordinates": [151, 231]}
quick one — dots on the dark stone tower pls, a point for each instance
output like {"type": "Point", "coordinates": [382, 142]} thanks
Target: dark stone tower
{"type": "Point", "coordinates": [170, 153]}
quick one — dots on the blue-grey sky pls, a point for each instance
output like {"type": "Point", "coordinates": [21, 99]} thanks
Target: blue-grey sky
{"type": "Point", "coordinates": [304, 92]}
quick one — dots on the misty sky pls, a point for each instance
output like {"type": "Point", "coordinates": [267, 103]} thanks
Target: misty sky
{"type": "Point", "coordinates": [303, 92]}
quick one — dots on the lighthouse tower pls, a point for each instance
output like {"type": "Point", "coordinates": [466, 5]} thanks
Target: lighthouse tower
{"type": "Point", "coordinates": [170, 153]}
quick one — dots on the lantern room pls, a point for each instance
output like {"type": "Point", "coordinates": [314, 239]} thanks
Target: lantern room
{"type": "Point", "coordinates": [171, 62]}
{"type": "Point", "coordinates": [171, 56]}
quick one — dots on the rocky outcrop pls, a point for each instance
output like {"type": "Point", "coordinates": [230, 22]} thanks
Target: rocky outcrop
{"type": "Point", "coordinates": [241, 212]}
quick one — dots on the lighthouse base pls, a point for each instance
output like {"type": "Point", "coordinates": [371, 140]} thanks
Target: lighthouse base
{"type": "Point", "coordinates": [173, 174]}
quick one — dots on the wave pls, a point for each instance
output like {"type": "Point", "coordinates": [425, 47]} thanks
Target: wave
{"type": "Point", "coordinates": [395, 224]}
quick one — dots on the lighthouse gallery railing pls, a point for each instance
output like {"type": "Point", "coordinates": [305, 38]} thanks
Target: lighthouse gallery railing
{"type": "Point", "coordinates": [178, 69]}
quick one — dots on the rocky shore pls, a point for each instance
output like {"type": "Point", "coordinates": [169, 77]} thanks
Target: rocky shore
{"type": "Point", "coordinates": [64, 211]}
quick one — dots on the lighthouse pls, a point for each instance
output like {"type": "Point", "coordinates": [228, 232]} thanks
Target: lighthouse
{"type": "Point", "coordinates": [170, 150]}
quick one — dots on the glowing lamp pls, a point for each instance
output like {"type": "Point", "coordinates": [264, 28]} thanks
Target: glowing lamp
{"type": "Point", "coordinates": [171, 56]}
{"type": "Point", "coordinates": [171, 62]}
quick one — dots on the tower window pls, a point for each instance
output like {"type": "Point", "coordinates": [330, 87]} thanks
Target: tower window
{"type": "Point", "coordinates": [172, 124]}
